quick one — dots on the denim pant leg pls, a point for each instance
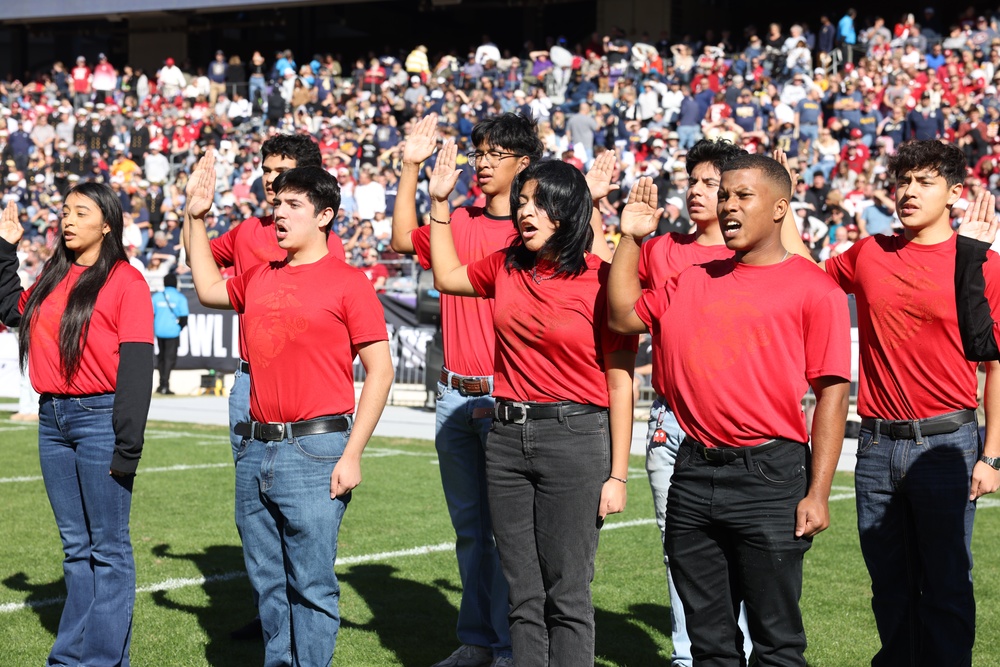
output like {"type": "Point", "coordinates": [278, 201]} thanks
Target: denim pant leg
{"type": "Point", "coordinates": [76, 444]}
{"type": "Point", "coordinates": [239, 407]}
{"type": "Point", "coordinates": [259, 525]}
{"type": "Point", "coordinates": [915, 522]}
{"type": "Point", "coordinates": [460, 441]}
{"type": "Point", "coordinates": [660, 457]}
{"type": "Point", "coordinates": [730, 536]}
{"type": "Point", "coordinates": [545, 481]}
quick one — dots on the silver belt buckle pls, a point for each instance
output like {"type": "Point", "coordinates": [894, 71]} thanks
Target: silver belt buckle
{"type": "Point", "coordinates": [520, 406]}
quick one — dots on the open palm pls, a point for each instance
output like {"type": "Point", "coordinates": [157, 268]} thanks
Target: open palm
{"type": "Point", "coordinates": [445, 174]}
{"type": "Point", "coordinates": [200, 189]}
{"type": "Point", "coordinates": [11, 230]}
{"type": "Point", "coordinates": [980, 220]}
{"type": "Point", "coordinates": [422, 141]}
{"type": "Point", "coordinates": [640, 216]}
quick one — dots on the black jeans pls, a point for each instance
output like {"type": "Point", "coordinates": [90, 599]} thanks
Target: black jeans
{"type": "Point", "coordinates": [166, 359]}
{"type": "Point", "coordinates": [730, 537]}
{"type": "Point", "coordinates": [544, 479]}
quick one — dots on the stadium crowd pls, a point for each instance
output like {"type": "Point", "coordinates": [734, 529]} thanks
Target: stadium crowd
{"type": "Point", "coordinates": [838, 98]}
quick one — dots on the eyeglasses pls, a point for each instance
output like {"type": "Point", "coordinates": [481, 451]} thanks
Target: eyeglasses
{"type": "Point", "coordinates": [493, 158]}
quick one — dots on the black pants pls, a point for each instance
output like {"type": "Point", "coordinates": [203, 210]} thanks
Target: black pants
{"type": "Point", "coordinates": [166, 359]}
{"type": "Point", "coordinates": [730, 536]}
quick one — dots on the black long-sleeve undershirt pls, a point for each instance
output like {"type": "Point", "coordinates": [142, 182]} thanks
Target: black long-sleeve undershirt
{"type": "Point", "coordinates": [133, 391]}
{"type": "Point", "coordinates": [975, 318]}
{"type": "Point", "coordinates": [10, 285]}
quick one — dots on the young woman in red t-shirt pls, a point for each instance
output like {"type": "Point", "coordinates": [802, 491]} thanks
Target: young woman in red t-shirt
{"type": "Point", "coordinates": [86, 327]}
{"type": "Point", "coordinates": [557, 453]}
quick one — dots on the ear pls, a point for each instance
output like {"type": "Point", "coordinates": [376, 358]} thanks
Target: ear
{"type": "Point", "coordinates": [954, 192]}
{"type": "Point", "coordinates": [780, 210]}
{"type": "Point", "coordinates": [325, 217]}
{"type": "Point", "coordinates": [523, 162]}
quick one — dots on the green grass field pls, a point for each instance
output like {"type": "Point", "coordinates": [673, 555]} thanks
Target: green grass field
{"type": "Point", "coordinates": [396, 565]}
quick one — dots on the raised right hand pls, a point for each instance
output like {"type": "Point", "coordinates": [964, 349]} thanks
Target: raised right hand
{"type": "Point", "coordinates": [422, 140]}
{"type": "Point", "coordinates": [980, 221]}
{"type": "Point", "coordinates": [445, 174]}
{"type": "Point", "coordinates": [11, 230]}
{"type": "Point", "coordinates": [200, 189]}
{"type": "Point", "coordinates": [640, 216]}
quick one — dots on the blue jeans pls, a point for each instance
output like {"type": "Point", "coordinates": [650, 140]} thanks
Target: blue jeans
{"type": "Point", "coordinates": [460, 441]}
{"type": "Point", "coordinates": [239, 407]}
{"type": "Point", "coordinates": [660, 457]}
{"type": "Point", "coordinates": [688, 135]}
{"type": "Point", "coordinates": [76, 441]}
{"type": "Point", "coordinates": [289, 525]}
{"type": "Point", "coordinates": [545, 480]}
{"type": "Point", "coordinates": [915, 522]}
{"type": "Point", "coordinates": [730, 535]}
{"type": "Point", "coordinates": [257, 86]}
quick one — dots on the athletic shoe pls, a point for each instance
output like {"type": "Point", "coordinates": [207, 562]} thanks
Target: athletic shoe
{"type": "Point", "coordinates": [468, 655]}
{"type": "Point", "coordinates": [503, 661]}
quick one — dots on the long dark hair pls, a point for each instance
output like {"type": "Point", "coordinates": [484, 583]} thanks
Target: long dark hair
{"type": "Point", "coordinates": [562, 192]}
{"type": "Point", "coordinates": [75, 321]}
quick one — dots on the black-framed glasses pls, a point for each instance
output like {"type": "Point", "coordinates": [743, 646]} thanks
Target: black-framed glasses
{"type": "Point", "coordinates": [493, 158]}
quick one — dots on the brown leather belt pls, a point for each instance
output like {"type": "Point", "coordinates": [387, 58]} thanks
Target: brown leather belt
{"type": "Point", "coordinates": [467, 386]}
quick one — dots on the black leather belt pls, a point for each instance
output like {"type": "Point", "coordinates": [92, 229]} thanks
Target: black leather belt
{"type": "Point", "coordinates": [466, 386]}
{"type": "Point", "coordinates": [720, 455]}
{"type": "Point", "coordinates": [904, 429]}
{"type": "Point", "coordinates": [244, 367]}
{"type": "Point", "coordinates": [271, 431]}
{"type": "Point", "coordinates": [515, 412]}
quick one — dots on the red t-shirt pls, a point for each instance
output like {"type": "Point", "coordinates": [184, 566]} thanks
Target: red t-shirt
{"type": "Point", "coordinates": [123, 313]}
{"type": "Point", "coordinates": [253, 242]}
{"type": "Point", "coordinates": [81, 78]}
{"type": "Point", "coordinates": [663, 257]}
{"type": "Point", "coordinates": [912, 364]}
{"type": "Point", "coordinates": [551, 333]}
{"type": "Point", "coordinates": [738, 344]}
{"type": "Point", "coordinates": [303, 325]}
{"type": "Point", "coordinates": [467, 323]}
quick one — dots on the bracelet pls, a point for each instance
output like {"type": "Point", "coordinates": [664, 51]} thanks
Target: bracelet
{"type": "Point", "coordinates": [440, 222]}
{"type": "Point", "coordinates": [618, 479]}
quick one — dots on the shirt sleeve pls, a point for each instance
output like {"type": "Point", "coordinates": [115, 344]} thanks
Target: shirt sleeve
{"type": "Point", "coordinates": [842, 267]}
{"type": "Point", "coordinates": [135, 308]}
{"type": "Point", "coordinates": [224, 247]}
{"type": "Point", "coordinates": [10, 285]}
{"type": "Point", "coordinates": [483, 273]}
{"type": "Point", "coordinates": [421, 239]}
{"type": "Point", "coordinates": [363, 312]}
{"type": "Point", "coordinates": [827, 336]}
{"type": "Point", "coordinates": [237, 288]}
{"type": "Point", "coordinates": [182, 305]}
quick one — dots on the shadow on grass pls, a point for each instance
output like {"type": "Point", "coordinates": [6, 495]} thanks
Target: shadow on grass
{"type": "Point", "coordinates": [46, 600]}
{"type": "Point", "coordinates": [412, 619]}
{"type": "Point", "coordinates": [622, 640]}
{"type": "Point", "coordinates": [229, 604]}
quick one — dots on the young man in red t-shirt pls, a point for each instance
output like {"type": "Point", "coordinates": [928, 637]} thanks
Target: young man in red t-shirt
{"type": "Point", "coordinates": [661, 259]}
{"type": "Point", "coordinates": [738, 342]}
{"type": "Point", "coordinates": [307, 315]}
{"type": "Point", "coordinates": [248, 244]}
{"type": "Point", "coordinates": [919, 470]}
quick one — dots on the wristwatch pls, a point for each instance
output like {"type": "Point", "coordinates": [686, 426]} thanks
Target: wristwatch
{"type": "Point", "coordinates": [991, 461]}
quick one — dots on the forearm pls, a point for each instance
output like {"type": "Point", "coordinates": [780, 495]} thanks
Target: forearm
{"type": "Point", "coordinates": [620, 415]}
{"type": "Point", "coordinates": [208, 281]}
{"type": "Point", "coordinates": [374, 394]}
{"type": "Point", "coordinates": [404, 212]}
{"type": "Point", "coordinates": [991, 406]}
{"type": "Point", "coordinates": [624, 289]}
{"type": "Point", "coordinates": [599, 246]}
{"type": "Point", "coordinates": [10, 285]}
{"type": "Point", "coordinates": [828, 424]}
{"type": "Point", "coordinates": [133, 390]}
{"type": "Point", "coordinates": [450, 275]}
